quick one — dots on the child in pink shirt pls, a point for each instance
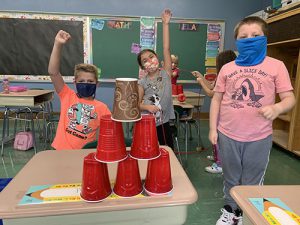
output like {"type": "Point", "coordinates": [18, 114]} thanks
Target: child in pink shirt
{"type": "Point", "coordinates": [208, 86]}
{"type": "Point", "coordinates": [243, 108]}
{"type": "Point", "coordinates": [80, 112]}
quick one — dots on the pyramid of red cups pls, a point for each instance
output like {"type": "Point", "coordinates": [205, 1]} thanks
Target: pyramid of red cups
{"type": "Point", "coordinates": [111, 148]}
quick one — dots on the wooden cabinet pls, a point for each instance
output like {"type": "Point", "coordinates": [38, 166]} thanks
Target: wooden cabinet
{"type": "Point", "coordinates": [284, 44]}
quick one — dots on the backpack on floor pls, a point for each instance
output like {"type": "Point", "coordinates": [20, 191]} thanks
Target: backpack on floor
{"type": "Point", "coordinates": [23, 141]}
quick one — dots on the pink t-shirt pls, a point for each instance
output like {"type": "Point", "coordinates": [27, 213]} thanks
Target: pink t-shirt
{"type": "Point", "coordinates": [246, 90]}
{"type": "Point", "coordinates": [79, 120]}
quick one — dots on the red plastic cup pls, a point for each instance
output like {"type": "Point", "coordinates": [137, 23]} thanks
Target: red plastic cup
{"type": "Point", "coordinates": [145, 143]}
{"type": "Point", "coordinates": [179, 89]}
{"type": "Point", "coordinates": [128, 181]}
{"type": "Point", "coordinates": [158, 179]}
{"type": "Point", "coordinates": [181, 98]}
{"type": "Point", "coordinates": [210, 76]}
{"type": "Point", "coordinates": [95, 185]}
{"type": "Point", "coordinates": [111, 143]}
{"type": "Point", "coordinates": [174, 89]}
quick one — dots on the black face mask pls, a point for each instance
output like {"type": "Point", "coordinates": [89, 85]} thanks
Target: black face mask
{"type": "Point", "coordinates": [85, 90]}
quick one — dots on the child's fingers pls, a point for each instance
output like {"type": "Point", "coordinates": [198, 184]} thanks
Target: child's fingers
{"type": "Point", "coordinates": [168, 12]}
{"type": "Point", "coordinates": [195, 74]}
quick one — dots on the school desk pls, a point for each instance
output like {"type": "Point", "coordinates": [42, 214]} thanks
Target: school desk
{"type": "Point", "coordinates": [188, 108]}
{"type": "Point", "coordinates": [26, 100]}
{"type": "Point", "coordinates": [59, 167]}
{"type": "Point", "coordinates": [193, 101]}
{"type": "Point", "coordinates": [289, 194]}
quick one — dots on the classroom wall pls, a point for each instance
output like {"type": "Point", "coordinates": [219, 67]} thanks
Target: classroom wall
{"type": "Point", "coordinates": [230, 11]}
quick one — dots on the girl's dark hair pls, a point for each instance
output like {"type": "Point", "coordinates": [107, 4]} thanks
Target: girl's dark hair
{"type": "Point", "coordinates": [224, 58]}
{"type": "Point", "coordinates": [251, 20]}
{"type": "Point", "coordinates": [139, 56]}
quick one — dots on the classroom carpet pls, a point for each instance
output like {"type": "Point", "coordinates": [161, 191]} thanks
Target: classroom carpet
{"type": "Point", "coordinates": [284, 169]}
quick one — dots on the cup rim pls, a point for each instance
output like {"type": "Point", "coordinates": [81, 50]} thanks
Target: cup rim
{"type": "Point", "coordinates": [157, 194]}
{"type": "Point", "coordinates": [155, 157]}
{"type": "Point", "coordinates": [114, 161]}
{"type": "Point", "coordinates": [126, 79]}
{"type": "Point", "coordinates": [95, 200]}
{"type": "Point", "coordinates": [134, 120]}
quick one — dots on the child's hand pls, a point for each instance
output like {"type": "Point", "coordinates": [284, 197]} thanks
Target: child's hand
{"type": "Point", "coordinates": [152, 108]}
{"type": "Point", "coordinates": [166, 16]}
{"type": "Point", "coordinates": [197, 74]}
{"type": "Point", "coordinates": [62, 37]}
{"type": "Point", "coordinates": [213, 136]}
{"type": "Point", "coordinates": [270, 112]}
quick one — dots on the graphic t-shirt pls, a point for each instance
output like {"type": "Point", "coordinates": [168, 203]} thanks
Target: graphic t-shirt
{"type": "Point", "coordinates": [246, 90]}
{"type": "Point", "coordinates": [79, 120]}
{"type": "Point", "coordinates": [158, 91]}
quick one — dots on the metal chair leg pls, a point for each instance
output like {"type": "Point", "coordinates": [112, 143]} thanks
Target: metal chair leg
{"type": "Point", "coordinates": [4, 134]}
{"type": "Point", "coordinates": [178, 150]}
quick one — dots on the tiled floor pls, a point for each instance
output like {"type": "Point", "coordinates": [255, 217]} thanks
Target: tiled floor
{"type": "Point", "coordinates": [284, 168]}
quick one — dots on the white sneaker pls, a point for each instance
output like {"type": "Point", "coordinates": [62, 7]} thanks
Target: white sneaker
{"type": "Point", "coordinates": [239, 220]}
{"type": "Point", "coordinates": [214, 168]}
{"type": "Point", "coordinates": [210, 157]}
{"type": "Point", "coordinates": [227, 218]}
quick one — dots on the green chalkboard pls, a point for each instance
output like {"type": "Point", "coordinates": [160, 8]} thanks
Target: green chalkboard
{"type": "Point", "coordinates": [189, 46]}
{"type": "Point", "coordinates": [111, 49]}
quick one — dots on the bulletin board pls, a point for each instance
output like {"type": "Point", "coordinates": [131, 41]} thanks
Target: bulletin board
{"type": "Point", "coordinates": [112, 39]}
{"type": "Point", "coordinates": [109, 42]}
{"type": "Point", "coordinates": [189, 46]}
{"type": "Point", "coordinates": [196, 42]}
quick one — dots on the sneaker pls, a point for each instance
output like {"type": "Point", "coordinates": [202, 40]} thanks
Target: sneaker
{"type": "Point", "coordinates": [238, 217]}
{"type": "Point", "coordinates": [239, 220]}
{"type": "Point", "coordinates": [214, 168]}
{"type": "Point", "coordinates": [227, 217]}
{"type": "Point", "coordinates": [211, 158]}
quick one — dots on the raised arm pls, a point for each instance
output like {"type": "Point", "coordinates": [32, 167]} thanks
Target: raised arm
{"type": "Point", "coordinates": [61, 38]}
{"type": "Point", "coordinates": [166, 16]}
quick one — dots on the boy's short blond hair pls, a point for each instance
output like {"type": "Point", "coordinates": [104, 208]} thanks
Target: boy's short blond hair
{"type": "Point", "coordinates": [84, 67]}
{"type": "Point", "coordinates": [251, 20]}
{"type": "Point", "coordinates": [174, 58]}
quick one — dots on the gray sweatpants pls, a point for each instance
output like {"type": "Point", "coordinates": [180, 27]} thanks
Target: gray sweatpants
{"type": "Point", "coordinates": [243, 163]}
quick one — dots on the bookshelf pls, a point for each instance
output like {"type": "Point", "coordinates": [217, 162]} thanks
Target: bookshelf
{"type": "Point", "coordinates": [284, 44]}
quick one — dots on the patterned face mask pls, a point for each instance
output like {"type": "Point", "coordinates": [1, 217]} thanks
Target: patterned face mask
{"type": "Point", "coordinates": [151, 65]}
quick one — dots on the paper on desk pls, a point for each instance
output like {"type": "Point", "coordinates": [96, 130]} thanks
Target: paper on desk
{"type": "Point", "coordinates": [275, 211]}
{"type": "Point", "coordinates": [62, 193]}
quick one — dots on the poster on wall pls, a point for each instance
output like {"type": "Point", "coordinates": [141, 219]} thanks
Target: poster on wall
{"type": "Point", "coordinates": [147, 36]}
{"type": "Point", "coordinates": [212, 44]}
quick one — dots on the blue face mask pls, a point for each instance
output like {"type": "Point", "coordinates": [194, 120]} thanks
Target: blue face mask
{"type": "Point", "coordinates": [85, 90]}
{"type": "Point", "coordinates": [252, 51]}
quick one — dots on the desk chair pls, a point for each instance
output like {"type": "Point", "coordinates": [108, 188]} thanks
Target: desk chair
{"type": "Point", "coordinates": [185, 122]}
{"type": "Point", "coordinates": [197, 100]}
{"type": "Point", "coordinates": [174, 131]}
{"type": "Point", "coordinates": [42, 109]}
{"type": "Point", "coordinates": [51, 122]}
{"type": "Point", "coordinates": [8, 112]}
